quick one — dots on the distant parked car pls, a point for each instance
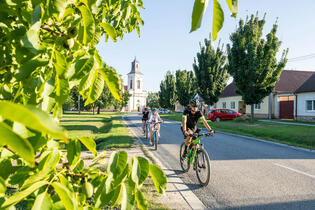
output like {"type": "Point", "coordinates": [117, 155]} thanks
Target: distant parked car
{"type": "Point", "coordinates": [222, 114]}
{"type": "Point", "coordinates": [164, 111]}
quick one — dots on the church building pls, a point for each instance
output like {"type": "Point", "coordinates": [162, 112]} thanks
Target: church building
{"type": "Point", "coordinates": [137, 100]}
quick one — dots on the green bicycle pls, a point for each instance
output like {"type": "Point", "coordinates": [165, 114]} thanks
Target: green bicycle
{"type": "Point", "coordinates": [198, 157]}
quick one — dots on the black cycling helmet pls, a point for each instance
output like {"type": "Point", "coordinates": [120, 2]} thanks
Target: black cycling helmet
{"type": "Point", "coordinates": [194, 102]}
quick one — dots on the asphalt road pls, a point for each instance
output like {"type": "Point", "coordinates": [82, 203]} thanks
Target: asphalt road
{"type": "Point", "coordinates": [245, 174]}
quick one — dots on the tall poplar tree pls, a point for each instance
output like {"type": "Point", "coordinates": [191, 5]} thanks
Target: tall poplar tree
{"type": "Point", "coordinates": [252, 60]}
{"type": "Point", "coordinates": [186, 86]}
{"type": "Point", "coordinates": [167, 94]}
{"type": "Point", "coordinates": [211, 72]}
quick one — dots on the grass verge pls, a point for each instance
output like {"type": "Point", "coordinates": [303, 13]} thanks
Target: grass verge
{"type": "Point", "coordinates": [106, 129]}
{"type": "Point", "coordinates": [294, 135]}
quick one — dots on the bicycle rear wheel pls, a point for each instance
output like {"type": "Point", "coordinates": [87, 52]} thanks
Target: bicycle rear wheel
{"type": "Point", "coordinates": [202, 162]}
{"type": "Point", "coordinates": [183, 163]}
{"type": "Point", "coordinates": [156, 136]}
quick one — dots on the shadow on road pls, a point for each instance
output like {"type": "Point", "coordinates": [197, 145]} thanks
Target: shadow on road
{"type": "Point", "coordinates": [304, 204]}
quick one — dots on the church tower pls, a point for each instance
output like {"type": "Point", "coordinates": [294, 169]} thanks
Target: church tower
{"type": "Point", "coordinates": [137, 100]}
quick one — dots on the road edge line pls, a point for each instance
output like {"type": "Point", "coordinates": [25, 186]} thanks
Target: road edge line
{"type": "Point", "coordinates": [191, 199]}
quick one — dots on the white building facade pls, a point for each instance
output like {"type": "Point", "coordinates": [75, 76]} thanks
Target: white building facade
{"type": "Point", "coordinates": [137, 100]}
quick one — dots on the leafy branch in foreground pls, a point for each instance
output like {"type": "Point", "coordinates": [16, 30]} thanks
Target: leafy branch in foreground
{"type": "Point", "coordinates": [199, 9]}
{"type": "Point", "coordinates": [55, 179]}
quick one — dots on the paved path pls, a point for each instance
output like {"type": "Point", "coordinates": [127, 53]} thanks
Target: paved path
{"type": "Point", "coordinates": [288, 123]}
{"type": "Point", "coordinates": [245, 174]}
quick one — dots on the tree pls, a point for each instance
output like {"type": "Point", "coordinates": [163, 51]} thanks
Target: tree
{"type": "Point", "coordinates": [186, 86]}
{"type": "Point", "coordinates": [252, 60]}
{"type": "Point", "coordinates": [153, 100]}
{"type": "Point", "coordinates": [211, 72]}
{"type": "Point", "coordinates": [46, 48]}
{"type": "Point", "coordinates": [167, 94]}
{"type": "Point", "coordinates": [105, 100]}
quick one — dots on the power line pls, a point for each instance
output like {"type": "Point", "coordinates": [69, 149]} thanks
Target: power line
{"type": "Point", "coordinates": [301, 58]}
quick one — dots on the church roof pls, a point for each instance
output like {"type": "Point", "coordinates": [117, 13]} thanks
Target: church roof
{"type": "Point", "coordinates": [134, 70]}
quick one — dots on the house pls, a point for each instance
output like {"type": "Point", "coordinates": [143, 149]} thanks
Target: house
{"type": "Point", "coordinates": [305, 100]}
{"type": "Point", "coordinates": [279, 104]}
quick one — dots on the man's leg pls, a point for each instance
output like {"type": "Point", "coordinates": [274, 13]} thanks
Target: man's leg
{"type": "Point", "coordinates": [151, 133]}
{"type": "Point", "coordinates": [187, 143]}
{"type": "Point", "coordinates": [158, 127]}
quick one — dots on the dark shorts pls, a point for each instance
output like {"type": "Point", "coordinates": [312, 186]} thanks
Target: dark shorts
{"type": "Point", "coordinates": [144, 119]}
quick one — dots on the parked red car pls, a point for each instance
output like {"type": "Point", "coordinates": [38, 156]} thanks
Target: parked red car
{"type": "Point", "coordinates": [222, 114]}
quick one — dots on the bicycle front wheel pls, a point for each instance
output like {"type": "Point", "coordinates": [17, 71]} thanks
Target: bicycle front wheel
{"type": "Point", "coordinates": [202, 162]}
{"type": "Point", "coordinates": [184, 163]}
{"type": "Point", "coordinates": [156, 136]}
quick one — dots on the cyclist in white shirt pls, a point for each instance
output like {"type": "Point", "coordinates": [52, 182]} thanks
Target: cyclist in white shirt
{"type": "Point", "coordinates": [154, 118]}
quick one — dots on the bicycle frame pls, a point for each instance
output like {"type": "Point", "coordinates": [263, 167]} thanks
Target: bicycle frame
{"type": "Point", "coordinates": [192, 152]}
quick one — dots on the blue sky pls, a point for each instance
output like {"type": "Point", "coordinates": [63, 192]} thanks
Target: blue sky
{"type": "Point", "coordinates": [166, 44]}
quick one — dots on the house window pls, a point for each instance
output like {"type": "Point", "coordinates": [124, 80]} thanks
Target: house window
{"type": "Point", "coordinates": [138, 84]}
{"type": "Point", "coordinates": [232, 105]}
{"type": "Point", "coordinates": [223, 105]}
{"type": "Point", "coordinates": [310, 105]}
{"type": "Point", "coordinates": [130, 84]}
{"type": "Point", "coordinates": [257, 106]}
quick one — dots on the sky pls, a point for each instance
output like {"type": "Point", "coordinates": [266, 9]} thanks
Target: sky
{"type": "Point", "coordinates": [166, 44]}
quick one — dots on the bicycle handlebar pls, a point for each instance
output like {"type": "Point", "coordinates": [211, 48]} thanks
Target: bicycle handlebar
{"type": "Point", "coordinates": [202, 134]}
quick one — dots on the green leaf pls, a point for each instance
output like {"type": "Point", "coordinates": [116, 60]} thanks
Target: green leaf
{"type": "Point", "coordinates": [62, 90]}
{"type": "Point", "coordinates": [159, 178]}
{"type": "Point", "coordinates": [102, 198]}
{"type": "Point", "coordinates": [233, 5]}
{"type": "Point", "coordinates": [128, 200]}
{"type": "Point", "coordinates": [118, 195]}
{"type": "Point", "coordinates": [40, 121]}
{"type": "Point", "coordinates": [218, 19]}
{"type": "Point", "coordinates": [199, 9]}
{"type": "Point", "coordinates": [110, 30]}
{"type": "Point", "coordinates": [112, 80]}
{"type": "Point", "coordinates": [60, 64]}
{"type": "Point", "coordinates": [21, 146]}
{"type": "Point", "coordinates": [88, 24]}
{"type": "Point", "coordinates": [3, 187]}
{"type": "Point", "coordinates": [29, 66]}
{"type": "Point", "coordinates": [117, 163]}
{"type": "Point", "coordinates": [17, 197]}
{"type": "Point", "coordinates": [140, 170]}
{"type": "Point", "coordinates": [73, 152]}
{"type": "Point", "coordinates": [65, 196]}
{"type": "Point", "coordinates": [82, 67]}
{"type": "Point", "coordinates": [89, 143]}
{"type": "Point", "coordinates": [141, 201]}
{"type": "Point", "coordinates": [88, 189]}
{"type": "Point", "coordinates": [96, 88]}
{"type": "Point", "coordinates": [31, 40]}
{"type": "Point", "coordinates": [42, 202]}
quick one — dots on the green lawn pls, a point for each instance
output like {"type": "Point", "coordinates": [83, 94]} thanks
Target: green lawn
{"type": "Point", "coordinates": [106, 129]}
{"type": "Point", "coordinates": [302, 136]}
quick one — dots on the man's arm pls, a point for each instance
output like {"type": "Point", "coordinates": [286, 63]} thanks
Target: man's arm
{"type": "Point", "coordinates": [205, 123]}
{"type": "Point", "coordinates": [184, 121]}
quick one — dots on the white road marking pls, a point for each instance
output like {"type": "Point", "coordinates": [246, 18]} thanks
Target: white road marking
{"type": "Point", "coordinates": [295, 170]}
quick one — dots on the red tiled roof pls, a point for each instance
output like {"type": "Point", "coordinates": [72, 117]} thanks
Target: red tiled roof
{"type": "Point", "coordinates": [289, 82]}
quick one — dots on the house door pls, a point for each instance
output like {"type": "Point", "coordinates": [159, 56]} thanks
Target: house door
{"type": "Point", "coordinates": [241, 107]}
{"type": "Point", "coordinates": [138, 107]}
{"type": "Point", "coordinates": [286, 107]}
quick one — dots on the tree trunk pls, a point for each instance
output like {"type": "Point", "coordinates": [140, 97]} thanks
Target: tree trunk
{"type": "Point", "coordinates": [252, 113]}
{"type": "Point", "coordinates": [79, 103]}
{"type": "Point", "coordinates": [98, 110]}
{"type": "Point", "coordinates": [93, 106]}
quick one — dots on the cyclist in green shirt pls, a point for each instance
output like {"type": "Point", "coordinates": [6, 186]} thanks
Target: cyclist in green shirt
{"type": "Point", "coordinates": [191, 115]}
